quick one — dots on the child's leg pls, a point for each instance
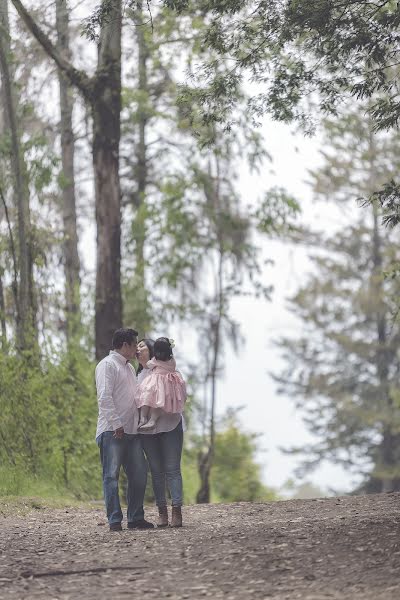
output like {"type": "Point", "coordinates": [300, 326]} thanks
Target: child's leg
{"type": "Point", "coordinates": [153, 418]}
{"type": "Point", "coordinates": [144, 412]}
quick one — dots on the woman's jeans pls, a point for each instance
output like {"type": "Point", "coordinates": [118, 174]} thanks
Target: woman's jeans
{"type": "Point", "coordinates": [164, 451]}
{"type": "Point", "coordinates": [128, 453]}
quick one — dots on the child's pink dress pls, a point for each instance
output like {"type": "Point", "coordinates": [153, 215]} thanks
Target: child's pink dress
{"type": "Point", "coordinates": [163, 388]}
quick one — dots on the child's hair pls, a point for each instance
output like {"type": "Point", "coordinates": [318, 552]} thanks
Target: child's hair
{"type": "Point", "coordinates": [162, 349]}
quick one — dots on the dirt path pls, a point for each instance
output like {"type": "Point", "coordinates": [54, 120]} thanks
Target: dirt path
{"type": "Point", "coordinates": [347, 548]}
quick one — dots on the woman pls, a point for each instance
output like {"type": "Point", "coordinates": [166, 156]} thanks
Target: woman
{"type": "Point", "coordinates": [163, 449]}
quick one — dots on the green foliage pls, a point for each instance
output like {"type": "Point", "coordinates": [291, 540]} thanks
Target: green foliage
{"type": "Point", "coordinates": [277, 213]}
{"type": "Point", "coordinates": [343, 370]}
{"type": "Point", "coordinates": [236, 475]}
{"type": "Point", "coordinates": [48, 420]}
{"type": "Point", "coordinates": [303, 491]}
{"type": "Point", "coordinates": [297, 49]}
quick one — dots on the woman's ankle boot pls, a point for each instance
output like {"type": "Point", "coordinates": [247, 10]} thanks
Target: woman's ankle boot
{"type": "Point", "coordinates": [162, 516]}
{"type": "Point", "coordinates": [176, 520]}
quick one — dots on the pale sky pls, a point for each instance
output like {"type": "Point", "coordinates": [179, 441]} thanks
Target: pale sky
{"type": "Point", "coordinates": [246, 381]}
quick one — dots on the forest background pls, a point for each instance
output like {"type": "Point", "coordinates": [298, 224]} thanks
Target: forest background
{"type": "Point", "coordinates": [193, 244]}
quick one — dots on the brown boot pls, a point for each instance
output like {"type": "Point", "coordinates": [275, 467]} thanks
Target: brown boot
{"type": "Point", "coordinates": [162, 520]}
{"type": "Point", "coordinates": [176, 520]}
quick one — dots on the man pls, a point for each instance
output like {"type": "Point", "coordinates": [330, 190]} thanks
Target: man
{"type": "Point", "coordinates": [116, 433]}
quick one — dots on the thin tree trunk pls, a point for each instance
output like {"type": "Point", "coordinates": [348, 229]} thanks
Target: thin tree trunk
{"type": "Point", "coordinates": [141, 153]}
{"type": "Point", "coordinates": [71, 256]}
{"type": "Point", "coordinates": [3, 314]}
{"type": "Point", "coordinates": [206, 460]}
{"type": "Point", "coordinates": [26, 319]}
{"type": "Point", "coordinates": [14, 285]}
{"type": "Point", "coordinates": [141, 312]}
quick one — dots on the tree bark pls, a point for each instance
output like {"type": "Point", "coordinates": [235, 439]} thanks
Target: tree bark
{"type": "Point", "coordinates": [141, 153]}
{"type": "Point", "coordinates": [70, 242]}
{"type": "Point", "coordinates": [2, 314]}
{"type": "Point", "coordinates": [14, 285]}
{"type": "Point", "coordinates": [106, 138]}
{"type": "Point", "coordinates": [139, 309]}
{"type": "Point", "coordinates": [103, 92]}
{"type": "Point", "coordinates": [26, 315]}
{"type": "Point", "coordinates": [206, 460]}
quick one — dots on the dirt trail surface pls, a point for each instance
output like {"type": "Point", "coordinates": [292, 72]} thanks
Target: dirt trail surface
{"type": "Point", "coordinates": [347, 548]}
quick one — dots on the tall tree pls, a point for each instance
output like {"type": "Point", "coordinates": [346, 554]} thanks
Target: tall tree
{"type": "Point", "coordinates": [67, 179]}
{"type": "Point", "coordinates": [103, 92]}
{"type": "Point", "coordinates": [26, 306]}
{"type": "Point", "coordinates": [343, 371]}
{"type": "Point", "coordinates": [139, 108]}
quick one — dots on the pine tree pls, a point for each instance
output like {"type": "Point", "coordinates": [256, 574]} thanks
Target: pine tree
{"type": "Point", "coordinates": [344, 370]}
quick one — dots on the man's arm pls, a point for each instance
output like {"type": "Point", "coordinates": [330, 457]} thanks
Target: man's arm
{"type": "Point", "coordinates": [105, 383]}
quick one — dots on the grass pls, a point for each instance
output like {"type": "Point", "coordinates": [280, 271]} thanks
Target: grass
{"type": "Point", "coordinates": [21, 493]}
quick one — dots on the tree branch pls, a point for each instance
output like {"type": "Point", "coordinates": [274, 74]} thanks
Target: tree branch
{"type": "Point", "coordinates": [77, 77]}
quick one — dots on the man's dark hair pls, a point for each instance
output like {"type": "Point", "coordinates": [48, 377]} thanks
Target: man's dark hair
{"type": "Point", "coordinates": [162, 349]}
{"type": "Point", "coordinates": [123, 335]}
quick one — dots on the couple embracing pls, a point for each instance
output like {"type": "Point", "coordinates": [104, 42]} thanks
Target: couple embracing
{"type": "Point", "coordinates": [140, 417]}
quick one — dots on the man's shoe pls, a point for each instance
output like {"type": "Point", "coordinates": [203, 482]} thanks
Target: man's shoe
{"type": "Point", "coordinates": [115, 527]}
{"type": "Point", "coordinates": [142, 524]}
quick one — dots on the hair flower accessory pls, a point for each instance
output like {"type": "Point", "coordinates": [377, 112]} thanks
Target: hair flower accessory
{"type": "Point", "coordinates": [172, 342]}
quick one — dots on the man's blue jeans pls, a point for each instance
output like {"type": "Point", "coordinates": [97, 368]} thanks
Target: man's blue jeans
{"type": "Point", "coordinates": [164, 452]}
{"type": "Point", "coordinates": [128, 453]}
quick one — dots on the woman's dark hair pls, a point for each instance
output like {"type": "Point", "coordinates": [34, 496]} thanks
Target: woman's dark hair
{"type": "Point", "coordinates": [121, 336]}
{"type": "Point", "coordinates": [150, 345]}
{"type": "Point", "coordinates": [162, 349]}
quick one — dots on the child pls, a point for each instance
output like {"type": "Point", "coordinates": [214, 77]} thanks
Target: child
{"type": "Point", "coordinates": [163, 390]}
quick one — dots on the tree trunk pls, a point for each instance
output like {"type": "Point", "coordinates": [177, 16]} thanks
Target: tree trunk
{"type": "Point", "coordinates": [14, 284]}
{"type": "Point", "coordinates": [2, 314]}
{"type": "Point", "coordinates": [26, 317]}
{"type": "Point", "coordinates": [106, 138]}
{"type": "Point", "coordinates": [140, 312]}
{"type": "Point", "coordinates": [103, 92]}
{"type": "Point", "coordinates": [206, 460]}
{"type": "Point", "coordinates": [141, 153]}
{"type": "Point", "coordinates": [70, 242]}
